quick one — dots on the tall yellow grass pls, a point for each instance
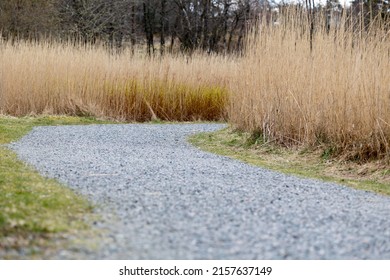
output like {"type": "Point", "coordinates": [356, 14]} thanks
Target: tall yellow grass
{"type": "Point", "coordinates": [337, 94]}
{"type": "Point", "coordinates": [53, 78]}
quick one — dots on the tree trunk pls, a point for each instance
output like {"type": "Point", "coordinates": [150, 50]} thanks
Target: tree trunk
{"type": "Point", "coordinates": [132, 32]}
{"type": "Point", "coordinates": [148, 22]}
{"type": "Point", "coordinates": [162, 26]}
{"type": "Point", "coordinates": [205, 19]}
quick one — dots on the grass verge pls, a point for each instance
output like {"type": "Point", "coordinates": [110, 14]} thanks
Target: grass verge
{"type": "Point", "coordinates": [371, 176]}
{"type": "Point", "coordinates": [34, 209]}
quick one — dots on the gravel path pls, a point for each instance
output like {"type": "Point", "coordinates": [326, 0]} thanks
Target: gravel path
{"type": "Point", "coordinates": [161, 198]}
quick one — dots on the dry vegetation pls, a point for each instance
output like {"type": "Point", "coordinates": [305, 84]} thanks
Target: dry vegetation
{"type": "Point", "coordinates": [337, 95]}
{"type": "Point", "coordinates": [53, 78]}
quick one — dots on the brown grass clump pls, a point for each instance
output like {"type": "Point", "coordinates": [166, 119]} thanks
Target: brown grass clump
{"type": "Point", "coordinates": [336, 95]}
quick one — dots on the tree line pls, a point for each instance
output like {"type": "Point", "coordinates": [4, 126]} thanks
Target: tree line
{"type": "Point", "coordinates": [160, 25]}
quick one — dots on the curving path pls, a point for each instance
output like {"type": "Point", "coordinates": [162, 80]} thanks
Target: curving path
{"type": "Point", "coordinates": [161, 198]}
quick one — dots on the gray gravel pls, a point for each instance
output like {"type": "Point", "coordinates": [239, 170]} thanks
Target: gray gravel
{"type": "Point", "coordinates": [161, 198]}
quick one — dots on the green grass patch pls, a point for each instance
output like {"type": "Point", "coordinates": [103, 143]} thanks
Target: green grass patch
{"type": "Point", "coordinates": [299, 161]}
{"type": "Point", "coordinates": [31, 205]}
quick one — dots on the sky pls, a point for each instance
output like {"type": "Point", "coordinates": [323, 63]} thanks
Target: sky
{"type": "Point", "coordinates": [342, 2]}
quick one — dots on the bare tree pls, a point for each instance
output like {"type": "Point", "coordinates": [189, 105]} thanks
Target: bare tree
{"type": "Point", "coordinates": [27, 18]}
{"type": "Point", "coordinates": [211, 25]}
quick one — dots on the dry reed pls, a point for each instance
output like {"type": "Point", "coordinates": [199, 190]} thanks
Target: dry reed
{"type": "Point", "coordinates": [337, 94]}
{"type": "Point", "coordinates": [52, 78]}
